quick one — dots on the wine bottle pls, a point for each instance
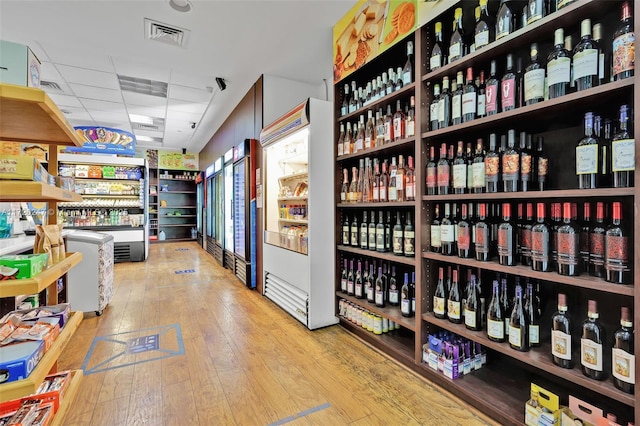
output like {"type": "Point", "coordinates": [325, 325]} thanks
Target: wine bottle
{"type": "Point", "coordinates": [443, 171]}
{"type": "Point", "coordinates": [511, 164]}
{"type": "Point", "coordinates": [364, 232]}
{"type": "Point", "coordinates": [616, 252]}
{"type": "Point", "coordinates": [623, 151]}
{"type": "Point", "coordinates": [393, 174]}
{"type": "Point", "coordinates": [597, 243]}
{"type": "Point", "coordinates": [410, 123]}
{"type": "Point", "coordinates": [344, 108]}
{"type": "Point", "coordinates": [381, 289]}
{"type": "Point", "coordinates": [388, 126]}
{"type": "Point", "coordinates": [410, 181]}
{"type": "Point", "coordinates": [454, 301]}
{"type": "Point", "coordinates": [456, 99]}
{"type": "Point", "coordinates": [436, 59]}
{"type": "Point", "coordinates": [506, 20]}
{"type": "Point", "coordinates": [482, 95]}
{"type": "Point", "coordinates": [477, 169]}
{"type": "Point", "coordinates": [492, 166]}
{"type": "Point", "coordinates": [558, 67]}
{"type": "Point", "coordinates": [355, 232]}
{"type": "Point", "coordinates": [433, 108]}
{"type": "Point", "coordinates": [465, 248]}
{"type": "Point", "coordinates": [472, 308]}
{"type": "Point", "coordinates": [444, 106]}
{"type": "Point", "coordinates": [405, 298]}
{"type": "Point", "coordinates": [509, 87]}
{"type": "Point", "coordinates": [526, 162]}
{"type": "Point", "coordinates": [398, 237]}
{"type": "Point", "coordinates": [587, 156]}
{"type": "Point", "coordinates": [394, 289]}
{"type": "Point", "coordinates": [556, 222]}
{"type": "Point", "coordinates": [569, 259]}
{"type": "Point", "coordinates": [585, 59]}
{"type": "Point", "coordinates": [483, 235]}
{"type": "Point", "coordinates": [561, 335]}
{"type": "Point", "coordinates": [507, 238]}
{"type": "Point", "coordinates": [604, 68]}
{"type": "Point", "coordinates": [532, 312]}
{"type": "Point", "coordinates": [536, 10]}
{"type": "Point", "coordinates": [432, 173]}
{"type": "Point", "coordinates": [456, 45]}
{"type": "Point", "coordinates": [350, 279]}
{"type": "Point", "coordinates": [624, 46]}
{"type": "Point", "coordinates": [409, 237]}
{"type": "Point", "coordinates": [459, 171]}
{"type": "Point", "coordinates": [399, 120]}
{"type": "Point", "coordinates": [526, 242]}
{"type": "Point", "coordinates": [542, 165]}
{"type": "Point", "coordinates": [401, 180]}
{"type": "Point", "coordinates": [447, 233]}
{"type": "Point", "coordinates": [372, 238]}
{"type": "Point", "coordinates": [622, 354]}
{"type": "Point", "coordinates": [412, 292]}
{"type": "Point", "coordinates": [380, 233]}
{"type": "Point", "coordinates": [387, 233]}
{"type": "Point", "coordinates": [534, 77]}
{"type": "Point", "coordinates": [384, 183]}
{"type": "Point", "coordinates": [485, 27]}
{"type": "Point", "coordinates": [495, 317]}
{"type": "Point", "coordinates": [346, 240]}
{"type": "Point", "coordinates": [584, 236]}
{"type": "Point", "coordinates": [519, 325]}
{"type": "Point", "coordinates": [541, 242]}
{"type": "Point", "coordinates": [440, 296]}
{"type": "Point", "coordinates": [435, 238]}
{"type": "Point", "coordinates": [341, 141]}
{"type": "Point", "coordinates": [469, 98]}
{"type": "Point", "coordinates": [371, 285]}
{"type": "Point", "coordinates": [506, 305]}
{"type": "Point", "coordinates": [592, 339]}
{"type": "Point", "coordinates": [353, 102]}
{"type": "Point", "coordinates": [407, 71]}
{"type": "Point", "coordinates": [358, 285]}
{"type": "Point", "coordinates": [380, 128]}
{"type": "Point", "coordinates": [343, 278]}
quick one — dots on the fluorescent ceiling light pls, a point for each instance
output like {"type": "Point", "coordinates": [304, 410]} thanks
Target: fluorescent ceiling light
{"type": "Point", "coordinates": [145, 138]}
{"type": "Point", "coordinates": [141, 119]}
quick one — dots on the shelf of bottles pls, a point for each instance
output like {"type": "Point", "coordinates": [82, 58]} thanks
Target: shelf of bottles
{"type": "Point", "coordinates": [528, 196]}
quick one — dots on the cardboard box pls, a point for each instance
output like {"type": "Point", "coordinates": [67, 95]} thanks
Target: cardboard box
{"type": "Point", "coordinates": [52, 335]}
{"type": "Point", "coordinates": [18, 360]}
{"type": "Point", "coordinates": [18, 65]}
{"type": "Point", "coordinates": [22, 168]}
{"type": "Point", "coordinates": [589, 415]}
{"type": "Point", "coordinates": [28, 265]}
{"type": "Point", "coordinates": [61, 311]}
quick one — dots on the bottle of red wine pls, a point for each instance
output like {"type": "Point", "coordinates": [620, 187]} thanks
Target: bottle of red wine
{"type": "Point", "coordinates": [593, 337]}
{"type": "Point", "coordinates": [343, 279]}
{"type": "Point", "coordinates": [556, 222]}
{"type": "Point", "coordinates": [433, 108]}
{"type": "Point", "coordinates": [587, 156]}
{"type": "Point", "coordinates": [541, 242]}
{"type": "Point", "coordinates": [569, 258]}
{"type": "Point", "coordinates": [542, 165]}
{"type": "Point", "coordinates": [440, 297]}
{"type": "Point", "coordinates": [432, 173]}
{"type": "Point", "coordinates": [519, 325]}
{"type": "Point", "coordinates": [444, 106]}
{"type": "Point", "coordinates": [532, 312]}
{"type": "Point", "coordinates": [509, 87]}
{"type": "Point", "coordinates": [358, 286]}
{"type": "Point", "coordinates": [525, 237]}
{"type": "Point", "coordinates": [492, 165]}
{"type": "Point", "coordinates": [597, 233]}
{"type": "Point", "coordinates": [394, 289]}
{"type": "Point", "coordinates": [447, 233]}
{"type": "Point", "coordinates": [482, 235]}
{"type": "Point", "coordinates": [507, 238]}
{"type": "Point", "coordinates": [381, 289]}
{"type": "Point", "coordinates": [526, 162]}
{"type": "Point", "coordinates": [561, 335]}
{"type": "Point", "coordinates": [371, 284]}
{"type": "Point", "coordinates": [454, 300]}
{"type": "Point", "coordinates": [492, 91]}
{"type": "Point", "coordinates": [584, 235]}
{"type": "Point", "coordinates": [624, 46]}
{"type": "Point", "coordinates": [586, 59]}
{"type": "Point", "coordinates": [622, 354]}
{"type": "Point", "coordinates": [477, 169]}
{"type": "Point", "coordinates": [409, 237]}
{"type": "Point", "coordinates": [495, 317]}
{"type": "Point", "coordinates": [469, 98]}
{"type": "Point", "coordinates": [443, 169]}
{"type": "Point", "coordinates": [558, 67]}
{"type": "Point", "coordinates": [465, 247]}
{"type": "Point", "coordinates": [623, 151]}
{"type": "Point", "coordinates": [435, 241]}
{"type": "Point", "coordinates": [405, 299]}
{"type": "Point", "coordinates": [617, 249]}
{"type": "Point", "coordinates": [473, 308]}
{"type": "Point", "coordinates": [511, 164]}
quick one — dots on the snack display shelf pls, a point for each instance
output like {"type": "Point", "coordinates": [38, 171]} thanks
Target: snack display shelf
{"type": "Point", "coordinates": [111, 180]}
{"type": "Point", "coordinates": [69, 396]}
{"type": "Point", "coordinates": [29, 115]}
{"type": "Point", "coordinates": [133, 196]}
{"type": "Point", "coordinates": [299, 221]}
{"type": "Point", "coordinates": [13, 190]}
{"type": "Point", "coordinates": [28, 386]}
{"type": "Point", "coordinates": [42, 280]}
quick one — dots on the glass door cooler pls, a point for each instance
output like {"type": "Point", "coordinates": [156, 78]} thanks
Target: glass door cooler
{"type": "Point", "coordinates": [200, 203]}
{"type": "Point", "coordinates": [244, 212]}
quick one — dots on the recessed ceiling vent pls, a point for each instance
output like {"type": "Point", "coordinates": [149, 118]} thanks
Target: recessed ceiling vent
{"type": "Point", "coordinates": [141, 126]}
{"type": "Point", "coordinates": [154, 30]}
{"type": "Point", "coordinates": [50, 86]}
{"type": "Point", "coordinates": [143, 86]}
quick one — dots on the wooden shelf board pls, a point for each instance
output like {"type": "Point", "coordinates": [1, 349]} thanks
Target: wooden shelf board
{"type": "Point", "coordinates": [390, 257]}
{"type": "Point", "coordinates": [536, 357]}
{"type": "Point", "coordinates": [69, 396]}
{"type": "Point", "coordinates": [405, 91]}
{"type": "Point", "coordinates": [302, 198]}
{"type": "Point", "coordinates": [28, 386]}
{"type": "Point", "coordinates": [379, 149]}
{"type": "Point", "coordinates": [390, 344]}
{"type": "Point", "coordinates": [299, 221]}
{"type": "Point", "coordinates": [29, 115]}
{"type": "Point", "coordinates": [390, 312]}
{"type": "Point", "coordinates": [374, 205]}
{"type": "Point", "coordinates": [15, 190]}
{"type": "Point", "coordinates": [111, 196]}
{"type": "Point", "coordinates": [582, 281]}
{"type": "Point", "coordinates": [41, 281]}
{"type": "Point", "coordinates": [535, 195]}
{"type": "Point", "coordinates": [544, 108]}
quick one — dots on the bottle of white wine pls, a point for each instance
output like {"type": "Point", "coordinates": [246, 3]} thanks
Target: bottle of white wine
{"type": "Point", "coordinates": [519, 324]}
{"type": "Point", "coordinates": [495, 316]}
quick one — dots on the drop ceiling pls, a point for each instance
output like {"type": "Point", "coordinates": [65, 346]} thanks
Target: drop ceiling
{"type": "Point", "coordinates": [84, 47]}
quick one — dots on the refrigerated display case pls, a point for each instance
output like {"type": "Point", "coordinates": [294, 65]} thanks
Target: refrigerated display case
{"type": "Point", "coordinates": [227, 211]}
{"type": "Point", "coordinates": [218, 213]}
{"type": "Point", "coordinates": [244, 211]}
{"type": "Point", "coordinates": [298, 248]}
{"type": "Point", "coordinates": [210, 206]}
{"type": "Point", "coordinates": [200, 193]}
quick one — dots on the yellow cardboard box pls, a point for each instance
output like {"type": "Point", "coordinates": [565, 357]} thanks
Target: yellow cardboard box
{"type": "Point", "coordinates": [22, 168]}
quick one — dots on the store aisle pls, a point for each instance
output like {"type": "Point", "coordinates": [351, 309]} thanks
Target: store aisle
{"type": "Point", "coordinates": [198, 348]}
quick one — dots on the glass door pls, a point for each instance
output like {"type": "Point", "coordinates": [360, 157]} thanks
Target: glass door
{"type": "Point", "coordinates": [211, 218]}
{"type": "Point", "coordinates": [228, 208]}
{"type": "Point", "coordinates": [239, 188]}
{"type": "Point", "coordinates": [219, 208]}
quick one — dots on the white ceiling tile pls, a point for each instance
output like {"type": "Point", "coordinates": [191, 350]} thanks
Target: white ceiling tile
{"type": "Point", "coordinates": [78, 122]}
{"type": "Point", "coordinates": [65, 100]}
{"type": "Point", "coordinates": [149, 112]}
{"type": "Point", "coordinates": [49, 72]}
{"type": "Point", "coordinates": [153, 134]}
{"type": "Point", "coordinates": [192, 80]}
{"type": "Point", "coordinates": [65, 89]}
{"type": "Point", "coordinates": [105, 117]}
{"type": "Point", "coordinates": [174, 126]}
{"type": "Point", "coordinates": [99, 93]}
{"type": "Point", "coordinates": [132, 68]}
{"type": "Point", "coordinates": [185, 93]}
{"type": "Point", "coordinates": [75, 113]}
{"type": "Point", "coordinates": [143, 100]}
{"type": "Point", "coordinates": [185, 106]}
{"type": "Point", "coordinates": [89, 77]}
{"type": "Point", "coordinates": [176, 141]}
{"type": "Point", "coordinates": [179, 116]}
{"type": "Point", "coordinates": [62, 54]}
{"type": "Point", "coordinates": [97, 105]}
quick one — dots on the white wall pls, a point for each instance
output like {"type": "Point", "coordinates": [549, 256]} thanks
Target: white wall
{"type": "Point", "coordinates": [281, 95]}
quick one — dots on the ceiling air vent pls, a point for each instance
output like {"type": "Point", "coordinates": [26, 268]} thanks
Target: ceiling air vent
{"type": "Point", "coordinates": [154, 30]}
{"type": "Point", "coordinates": [143, 86]}
{"type": "Point", "coordinates": [50, 85]}
{"type": "Point", "coordinates": [140, 126]}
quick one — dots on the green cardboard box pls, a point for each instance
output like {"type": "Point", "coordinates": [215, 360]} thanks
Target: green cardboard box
{"type": "Point", "coordinates": [28, 265]}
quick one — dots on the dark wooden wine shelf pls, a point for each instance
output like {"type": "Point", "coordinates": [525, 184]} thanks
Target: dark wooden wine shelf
{"type": "Point", "coordinates": [178, 207]}
{"type": "Point", "coordinates": [392, 146]}
{"type": "Point", "coordinates": [536, 357]}
{"type": "Point", "coordinates": [374, 205]}
{"type": "Point", "coordinates": [398, 94]}
{"type": "Point", "coordinates": [178, 216]}
{"type": "Point", "coordinates": [164, 225]}
{"type": "Point", "coordinates": [583, 281]}
{"type": "Point", "coordinates": [544, 108]}
{"type": "Point", "coordinates": [390, 257]}
{"type": "Point", "coordinates": [183, 180]}
{"type": "Point", "coordinates": [540, 30]}
{"type": "Point", "coordinates": [391, 312]}
{"type": "Point", "coordinates": [534, 195]}
{"type": "Point", "coordinates": [390, 343]}
{"type": "Point", "coordinates": [177, 192]}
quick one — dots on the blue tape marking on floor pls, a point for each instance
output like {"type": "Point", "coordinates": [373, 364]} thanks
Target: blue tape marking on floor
{"type": "Point", "coordinates": [182, 249]}
{"type": "Point", "coordinates": [301, 414]}
{"type": "Point", "coordinates": [185, 271]}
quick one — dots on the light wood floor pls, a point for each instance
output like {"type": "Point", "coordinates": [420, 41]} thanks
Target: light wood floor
{"type": "Point", "coordinates": [245, 361]}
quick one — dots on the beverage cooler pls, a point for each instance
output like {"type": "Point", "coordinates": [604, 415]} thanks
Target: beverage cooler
{"type": "Point", "coordinates": [227, 212]}
{"type": "Point", "coordinates": [217, 210]}
{"type": "Point", "coordinates": [209, 215]}
{"type": "Point", "coordinates": [244, 212]}
{"type": "Point", "coordinates": [298, 248]}
{"type": "Point", "coordinates": [200, 191]}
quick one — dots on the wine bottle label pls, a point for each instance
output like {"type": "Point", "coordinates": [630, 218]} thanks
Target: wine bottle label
{"type": "Point", "coordinates": [433, 111]}
{"type": "Point", "coordinates": [399, 182]}
{"type": "Point", "coordinates": [405, 306]}
{"type": "Point", "coordinates": [343, 285]}
{"type": "Point", "coordinates": [397, 241]}
{"type": "Point", "coordinates": [410, 190]}
{"type": "Point", "coordinates": [586, 159]}
{"type": "Point", "coordinates": [481, 39]}
{"type": "Point", "coordinates": [509, 93]}
{"type": "Point", "coordinates": [354, 237]}
{"type": "Point", "coordinates": [559, 71]}
{"type": "Point", "coordinates": [623, 365]}
{"type": "Point", "coordinates": [505, 246]}
{"type": "Point", "coordinates": [453, 310]}
{"type": "Point", "coordinates": [411, 128]}
{"type": "Point", "coordinates": [388, 128]}
{"type": "Point", "coordinates": [464, 237]}
{"type": "Point", "coordinates": [477, 175]}
{"type": "Point", "coordinates": [347, 147]}
{"type": "Point", "coordinates": [568, 253]}
{"type": "Point", "coordinates": [376, 192]}
{"type": "Point", "coordinates": [456, 107]}
{"type": "Point", "coordinates": [357, 289]}
{"type": "Point", "coordinates": [350, 287]}
{"type": "Point", "coordinates": [340, 148]}
{"type": "Point", "coordinates": [397, 127]}
{"type": "Point", "coordinates": [534, 334]}
{"type": "Point", "coordinates": [624, 53]}
{"type": "Point", "coordinates": [438, 305]}
{"type": "Point", "coordinates": [359, 144]}
{"type": "Point", "coordinates": [409, 242]}
{"type": "Point", "coordinates": [454, 50]}
{"type": "Point", "coordinates": [413, 304]}
{"type": "Point", "coordinates": [470, 318]}
{"type": "Point", "coordinates": [379, 297]}
{"type": "Point", "coordinates": [406, 78]}
{"type": "Point", "coordinates": [515, 337]}
{"type": "Point", "coordinates": [379, 239]}
{"type": "Point", "coordinates": [503, 26]}
{"type": "Point", "coordinates": [596, 249]}
{"type": "Point", "coordinates": [345, 235]}
{"type": "Point", "coordinates": [543, 168]}
{"type": "Point", "coordinates": [442, 106]}
{"type": "Point", "coordinates": [393, 192]}
{"type": "Point", "coordinates": [534, 84]}
{"type": "Point", "coordinates": [616, 250]}
{"type": "Point", "coordinates": [561, 344]}
{"type": "Point", "coordinates": [435, 236]}
{"type": "Point", "coordinates": [393, 296]}
{"type": "Point", "coordinates": [431, 177]}
{"type": "Point", "coordinates": [540, 246]}
{"type": "Point", "coordinates": [511, 167]}
{"type": "Point", "coordinates": [469, 103]}
{"type": "Point", "coordinates": [482, 240]}
{"type": "Point", "coordinates": [372, 239]}
{"type": "Point", "coordinates": [459, 175]}
{"type": "Point", "coordinates": [447, 233]}
{"type": "Point", "coordinates": [535, 11]}
{"type": "Point", "coordinates": [491, 98]}
{"type": "Point", "coordinates": [525, 241]}
{"type": "Point", "coordinates": [363, 238]}
{"type": "Point", "coordinates": [482, 105]}
{"type": "Point", "coordinates": [491, 168]}
{"type": "Point", "coordinates": [525, 167]}
{"type": "Point", "coordinates": [443, 175]}
{"type": "Point", "coordinates": [370, 295]}
{"type": "Point", "coordinates": [591, 354]}
{"type": "Point", "coordinates": [367, 142]}
{"type": "Point", "coordinates": [495, 329]}
{"type": "Point", "coordinates": [585, 63]}
{"type": "Point", "coordinates": [435, 62]}
{"type": "Point", "coordinates": [623, 155]}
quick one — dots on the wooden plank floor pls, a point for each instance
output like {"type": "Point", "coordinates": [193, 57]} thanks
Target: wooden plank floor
{"type": "Point", "coordinates": [245, 361]}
